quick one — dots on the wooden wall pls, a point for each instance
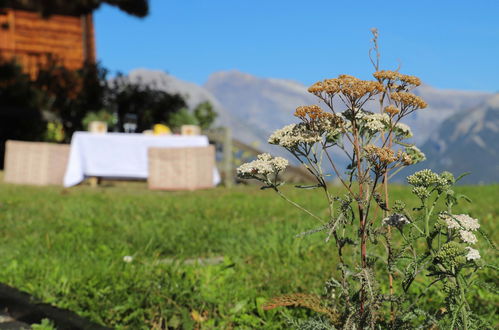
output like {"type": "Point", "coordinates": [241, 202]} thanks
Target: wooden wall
{"type": "Point", "coordinates": [34, 40]}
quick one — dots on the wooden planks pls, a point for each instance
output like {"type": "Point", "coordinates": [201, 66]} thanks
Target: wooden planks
{"type": "Point", "coordinates": [33, 40]}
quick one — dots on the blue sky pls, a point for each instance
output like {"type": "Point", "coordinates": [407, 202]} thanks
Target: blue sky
{"type": "Point", "coordinates": [448, 44]}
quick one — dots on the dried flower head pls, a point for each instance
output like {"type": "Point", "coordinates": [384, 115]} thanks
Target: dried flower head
{"type": "Point", "coordinates": [395, 220]}
{"type": "Point", "coordinates": [387, 75]}
{"type": "Point", "coordinates": [349, 86]}
{"type": "Point", "coordinates": [392, 110]}
{"type": "Point", "coordinates": [410, 80]}
{"type": "Point", "coordinates": [408, 101]}
{"type": "Point", "coordinates": [392, 76]}
{"type": "Point", "coordinates": [311, 111]}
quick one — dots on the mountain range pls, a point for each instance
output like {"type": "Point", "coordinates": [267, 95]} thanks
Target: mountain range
{"type": "Point", "coordinates": [456, 123]}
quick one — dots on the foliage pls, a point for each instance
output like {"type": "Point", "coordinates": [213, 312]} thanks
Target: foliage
{"type": "Point", "coordinates": [101, 115]}
{"type": "Point", "coordinates": [20, 115]}
{"type": "Point", "coordinates": [54, 132]}
{"type": "Point", "coordinates": [183, 117]}
{"type": "Point", "coordinates": [69, 95]}
{"type": "Point", "coordinates": [430, 241]}
{"type": "Point", "coordinates": [67, 248]}
{"type": "Point", "coordinates": [71, 99]}
{"type": "Point", "coordinates": [202, 115]}
{"type": "Point", "coordinates": [45, 324]}
{"type": "Point", "coordinates": [151, 106]}
{"type": "Point", "coordinates": [205, 114]}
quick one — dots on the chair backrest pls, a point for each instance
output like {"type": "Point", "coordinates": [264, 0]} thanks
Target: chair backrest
{"type": "Point", "coordinates": [181, 168]}
{"type": "Point", "coordinates": [37, 163]}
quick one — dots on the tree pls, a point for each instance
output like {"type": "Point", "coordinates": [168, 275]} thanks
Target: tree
{"type": "Point", "coordinates": [205, 114]}
{"type": "Point", "coordinates": [151, 106]}
{"type": "Point", "coordinates": [69, 95]}
{"type": "Point", "coordinates": [20, 115]}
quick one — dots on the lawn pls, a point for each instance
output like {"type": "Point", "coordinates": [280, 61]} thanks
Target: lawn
{"type": "Point", "coordinates": [67, 247]}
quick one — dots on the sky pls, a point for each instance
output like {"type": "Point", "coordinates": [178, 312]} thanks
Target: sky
{"type": "Point", "coordinates": [448, 44]}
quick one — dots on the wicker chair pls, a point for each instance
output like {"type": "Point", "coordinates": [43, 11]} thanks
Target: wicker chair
{"type": "Point", "coordinates": [181, 168]}
{"type": "Point", "coordinates": [35, 163]}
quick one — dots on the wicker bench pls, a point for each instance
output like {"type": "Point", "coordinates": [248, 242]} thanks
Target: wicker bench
{"type": "Point", "coordinates": [181, 168]}
{"type": "Point", "coordinates": [36, 163]}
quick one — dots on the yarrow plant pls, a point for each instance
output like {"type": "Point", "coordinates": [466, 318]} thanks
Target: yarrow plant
{"type": "Point", "coordinates": [376, 290]}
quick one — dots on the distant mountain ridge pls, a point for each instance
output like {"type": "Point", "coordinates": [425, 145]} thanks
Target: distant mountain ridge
{"type": "Point", "coordinates": [468, 142]}
{"type": "Point", "coordinates": [254, 107]}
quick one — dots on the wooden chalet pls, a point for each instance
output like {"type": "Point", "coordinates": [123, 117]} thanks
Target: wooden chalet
{"type": "Point", "coordinates": [34, 40]}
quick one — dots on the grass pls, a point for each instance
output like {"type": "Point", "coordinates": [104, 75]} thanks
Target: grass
{"type": "Point", "coordinates": [66, 247]}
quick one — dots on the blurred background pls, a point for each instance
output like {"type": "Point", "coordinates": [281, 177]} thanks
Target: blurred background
{"type": "Point", "coordinates": [246, 66]}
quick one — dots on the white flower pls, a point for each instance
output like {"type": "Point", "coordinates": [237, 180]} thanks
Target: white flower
{"type": "Point", "coordinates": [263, 165]}
{"type": "Point", "coordinates": [291, 135]}
{"type": "Point", "coordinates": [467, 222]}
{"type": "Point", "coordinates": [279, 163]}
{"type": "Point", "coordinates": [127, 259]}
{"type": "Point", "coordinates": [472, 254]}
{"type": "Point", "coordinates": [403, 130]}
{"type": "Point", "coordinates": [460, 221]}
{"type": "Point", "coordinates": [376, 122]}
{"type": "Point", "coordinates": [467, 237]}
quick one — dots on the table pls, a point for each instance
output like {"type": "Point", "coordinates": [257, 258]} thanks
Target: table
{"type": "Point", "coordinates": [120, 155]}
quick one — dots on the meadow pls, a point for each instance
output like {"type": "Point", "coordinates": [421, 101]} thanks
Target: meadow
{"type": "Point", "coordinates": [67, 248]}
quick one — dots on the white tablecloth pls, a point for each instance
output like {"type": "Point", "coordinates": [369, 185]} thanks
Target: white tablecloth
{"type": "Point", "coordinates": [120, 155]}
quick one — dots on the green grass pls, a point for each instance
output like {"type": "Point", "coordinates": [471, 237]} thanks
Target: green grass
{"type": "Point", "coordinates": [66, 247]}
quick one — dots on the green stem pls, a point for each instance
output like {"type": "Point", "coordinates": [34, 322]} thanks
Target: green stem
{"type": "Point", "coordinates": [463, 311]}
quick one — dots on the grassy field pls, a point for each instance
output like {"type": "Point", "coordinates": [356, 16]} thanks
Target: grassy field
{"type": "Point", "coordinates": [66, 246]}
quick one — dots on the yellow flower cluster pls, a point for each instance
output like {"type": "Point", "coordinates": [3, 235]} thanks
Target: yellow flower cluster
{"type": "Point", "coordinates": [394, 76]}
{"type": "Point", "coordinates": [351, 87]}
{"type": "Point", "coordinates": [385, 155]}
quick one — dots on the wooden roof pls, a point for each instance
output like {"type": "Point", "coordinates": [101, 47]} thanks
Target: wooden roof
{"type": "Point", "coordinates": [138, 8]}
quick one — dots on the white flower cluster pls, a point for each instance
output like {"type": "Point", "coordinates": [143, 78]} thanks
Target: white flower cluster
{"type": "Point", "coordinates": [472, 254]}
{"type": "Point", "coordinates": [395, 220]}
{"type": "Point", "coordinates": [466, 225]}
{"type": "Point", "coordinates": [291, 135]}
{"type": "Point", "coordinates": [467, 237]}
{"type": "Point", "coordinates": [460, 221]}
{"type": "Point", "coordinates": [263, 165]}
{"type": "Point", "coordinates": [402, 130]}
{"type": "Point", "coordinates": [376, 122]}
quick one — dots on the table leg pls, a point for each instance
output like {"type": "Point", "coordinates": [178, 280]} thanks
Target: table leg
{"type": "Point", "coordinates": [94, 181]}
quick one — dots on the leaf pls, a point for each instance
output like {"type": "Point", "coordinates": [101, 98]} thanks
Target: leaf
{"type": "Point", "coordinates": [462, 176]}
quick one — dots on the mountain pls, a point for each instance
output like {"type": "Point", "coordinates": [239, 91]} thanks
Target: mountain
{"type": "Point", "coordinates": [468, 143]}
{"type": "Point", "coordinates": [254, 107]}
{"type": "Point", "coordinates": [269, 103]}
